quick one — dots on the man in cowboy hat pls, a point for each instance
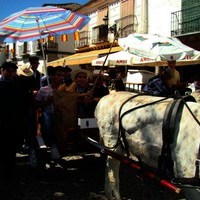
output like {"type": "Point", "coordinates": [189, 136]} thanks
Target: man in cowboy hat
{"type": "Point", "coordinates": [25, 70]}
{"type": "Point", "coordinates": [167, 82]}
{"type": "Point", "coordinates": [36, 78]}
{"type": "Point", "coordinates": [80, 86]}
{"type": "Point", "coordinates": [79, 81]}
{"type": "Point", "coordinates": [175, 78]}
{"type": "Point", "coordinates": [8, 71]}
{"type": "Point", "coordinates": [11, 113]}
{"type": "Point", "coordinates": [68, 78]}
{"type": "Point", "coordinates": [28, 76]}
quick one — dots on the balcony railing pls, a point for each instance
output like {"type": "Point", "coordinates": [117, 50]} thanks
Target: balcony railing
{"type": "Point", "coordinates": [185, 21]}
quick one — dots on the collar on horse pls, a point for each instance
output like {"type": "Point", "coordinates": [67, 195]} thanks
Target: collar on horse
{"type": "Point", "coordinates": [172, 116]}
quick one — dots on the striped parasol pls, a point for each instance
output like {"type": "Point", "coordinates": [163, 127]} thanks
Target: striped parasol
{"type": "Point", "coordinates": [39, 22]}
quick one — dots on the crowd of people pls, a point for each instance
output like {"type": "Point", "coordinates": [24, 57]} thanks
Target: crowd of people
{"type": "Point", "coordinates": [28, 105]}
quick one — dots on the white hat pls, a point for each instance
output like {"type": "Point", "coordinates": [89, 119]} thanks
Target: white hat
{"type": "Point", "coordinates": [78, 71]}
{"type": "Point", "coordinates": [171, 60]}
{"type": "Point", "coordinates": [25, 70]}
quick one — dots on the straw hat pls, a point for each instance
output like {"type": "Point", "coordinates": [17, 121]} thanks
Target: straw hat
{"type": "Point", "coordinates": [25, 70]}
{"type": "Point", "coordinates": [78, 71]}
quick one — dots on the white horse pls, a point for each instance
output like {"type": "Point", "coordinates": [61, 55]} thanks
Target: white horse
{"type": "Point", "coordinates": [143, 132]}
{"type": "Point", "coordinates": [196, 95]}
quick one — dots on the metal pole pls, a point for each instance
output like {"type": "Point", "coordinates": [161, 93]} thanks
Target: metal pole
{"type": "Point", "coordinates": [133, 164]}
{"type": "Point", "coordinates": [43, 54]}
{"type": "Point", "coordinates": [111, 45]}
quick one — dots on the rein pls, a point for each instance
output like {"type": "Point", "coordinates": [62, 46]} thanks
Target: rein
{"type": "Point", "coordinates": [196, 179]}
{"type": "Point", "coordinates": [122, 130]}
{"type": "Point", "coordinates": [172, 116]}
{"type": "Point", "coordinates": [120, 125]}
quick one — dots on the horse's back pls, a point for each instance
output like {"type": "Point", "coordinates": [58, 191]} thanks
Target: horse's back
{"type": "Point", "coordinates": [113, 106]}
{"type": "Point", "coordinates": [142, 118]}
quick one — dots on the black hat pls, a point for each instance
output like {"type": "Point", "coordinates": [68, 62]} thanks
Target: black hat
{"type": "Point", "coordinates": [9, 65]}
{"type": "Point", "coordinates": [68, 69]}
{"type": "Point", "coordinates": [33, 59]}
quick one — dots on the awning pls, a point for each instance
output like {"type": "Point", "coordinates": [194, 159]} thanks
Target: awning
{"type": "Point", "coordinates": [122, 58]}
{"type": "Point", "coordinates": [83, 58]}
{"type": "Point", "coordinates": [164, 63]}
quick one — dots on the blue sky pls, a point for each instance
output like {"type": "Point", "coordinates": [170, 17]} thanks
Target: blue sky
{"type": "Point", "coordinates": [10, 6]}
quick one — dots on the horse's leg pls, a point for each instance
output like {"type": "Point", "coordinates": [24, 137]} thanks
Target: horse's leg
{"type": "Point", "coordinates": [112, 179]}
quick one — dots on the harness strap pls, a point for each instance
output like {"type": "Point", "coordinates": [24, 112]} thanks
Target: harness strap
{"type": "Point", "coordinates": [164, 161]}
{"type": "Point", "coordinates": [171, 117]}
{"type": "Point", "coordinates": [122, 130]}
{"type": "Point", "coordinates": [197, 163]}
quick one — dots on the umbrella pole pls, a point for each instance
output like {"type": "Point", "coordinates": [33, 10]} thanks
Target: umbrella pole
{"type": "Point", "coordinates": [116, 35]}
{"type": "Point", "coordinates": [43, 54]}
{"type": "Point", "coordinates": [111, 45]}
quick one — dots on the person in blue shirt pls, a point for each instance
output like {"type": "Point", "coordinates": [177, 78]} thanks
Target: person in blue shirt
{"type": "Point", "coordinates": [166, 84]}
{"type": "Point", "coordinates": [159, 84]}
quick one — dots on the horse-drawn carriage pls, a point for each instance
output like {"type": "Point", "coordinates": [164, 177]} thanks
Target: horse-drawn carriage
{"type": "Point", "coordinates": [158, 132]}
{"type": "Point", "coordinates": [138, 126]}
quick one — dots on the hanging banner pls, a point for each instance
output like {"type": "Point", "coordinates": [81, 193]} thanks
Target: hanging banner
{"type": "Point", "coordinates": [76, 36]}
{"type": "Point", "coordinates": [64, 38]}
{"type": "Point", "coordinates": [51, 38]}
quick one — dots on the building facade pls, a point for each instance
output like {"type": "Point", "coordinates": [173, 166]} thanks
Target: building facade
{"type": "Point", "coordinates": [118, 18]}
{"type": "Point", "coordinates": [185, 23]}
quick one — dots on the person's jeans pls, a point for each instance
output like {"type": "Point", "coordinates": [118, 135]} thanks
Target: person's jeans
{"type": "Point", "coordinates": [47, 128]}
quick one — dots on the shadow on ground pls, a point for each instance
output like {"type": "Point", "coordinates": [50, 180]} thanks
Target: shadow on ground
{"type": "Point", "coordinates": [76, 178]}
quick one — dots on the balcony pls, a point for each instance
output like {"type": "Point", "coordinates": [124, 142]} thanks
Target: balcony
{"type": "Point", "coordinates": [185, 21]}
{"type": "Point", "coordinates": [126, 25]}
{"type": "Point", "coordinates": [100, 34]}
{"type": "Point", "coordinates": [84, 39]}
{"type": "Point", "coordinates": [52, 45]}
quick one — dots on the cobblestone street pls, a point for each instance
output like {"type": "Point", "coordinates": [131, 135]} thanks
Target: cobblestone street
{"type": "Point", "coordinates": [77, 178]}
